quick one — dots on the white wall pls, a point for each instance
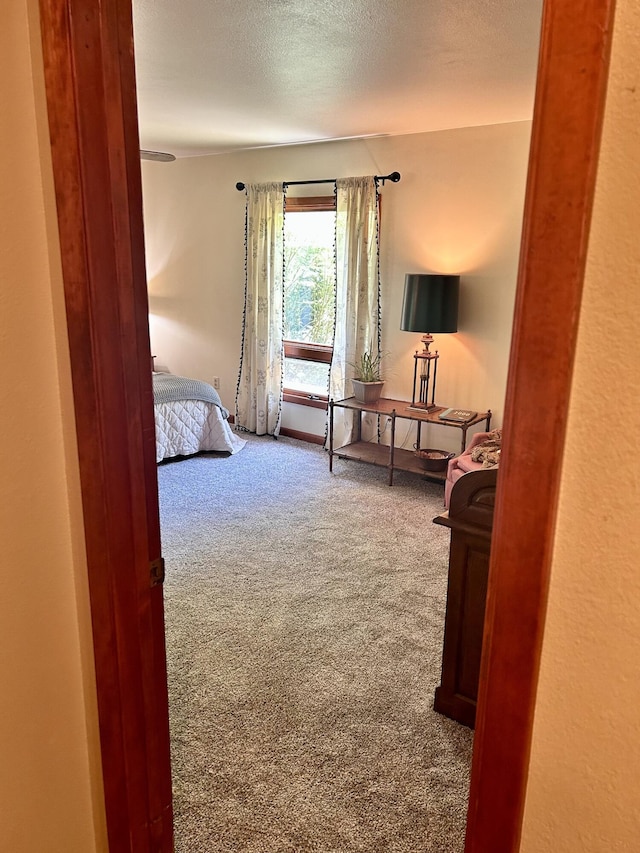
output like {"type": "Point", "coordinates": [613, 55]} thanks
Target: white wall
{"type": "Point", "coordinates": [457, 209]}
{"type": "Point", "coordinates": [50, 778]}
{"type": "Point", "coordinates": [584, 783]}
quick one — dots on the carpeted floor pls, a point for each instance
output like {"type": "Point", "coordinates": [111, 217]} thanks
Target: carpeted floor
{"type": "Point", "coordinates": [304, 619]}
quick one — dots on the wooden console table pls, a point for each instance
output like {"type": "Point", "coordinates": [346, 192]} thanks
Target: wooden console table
{"type": "Point", "coordinates": [389, 456]}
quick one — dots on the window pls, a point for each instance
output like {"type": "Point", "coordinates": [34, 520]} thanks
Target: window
{"type": "Point", "coordinates": [309, 298]}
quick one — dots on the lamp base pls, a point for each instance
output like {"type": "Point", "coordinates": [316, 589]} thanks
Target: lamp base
{"type": "Point", "coordinates": [424, 383]}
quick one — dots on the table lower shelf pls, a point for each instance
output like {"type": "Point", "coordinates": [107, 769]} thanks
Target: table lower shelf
{"type": "Point", "coordinates": [378, 454]}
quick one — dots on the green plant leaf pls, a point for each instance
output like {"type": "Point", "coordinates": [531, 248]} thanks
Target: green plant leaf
{"type": "Point", "coordinates": [367, 367]}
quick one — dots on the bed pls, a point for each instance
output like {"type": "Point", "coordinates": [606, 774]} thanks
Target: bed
{"type": "Point", "coordinates": [190, 417]}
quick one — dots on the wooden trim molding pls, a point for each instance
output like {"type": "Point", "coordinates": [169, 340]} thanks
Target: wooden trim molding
{"type": "Point", "coordinates": [309, 437]}
{"type": "Point", "coordinates": [303, 204]}
{"type": "Point", "coordinates": [568, 115]}
{"type": "Point", "coordinates": [89, 72]}
{"type": "Point", "coordinates": [90, 86]}
{"type": "Point", "coordinates": [308, 352]}
{"type": "Point", "coordinates": [299, 398]}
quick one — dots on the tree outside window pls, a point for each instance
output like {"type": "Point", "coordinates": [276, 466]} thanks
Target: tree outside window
{"type": "Point", "coordinates": [309, 297]}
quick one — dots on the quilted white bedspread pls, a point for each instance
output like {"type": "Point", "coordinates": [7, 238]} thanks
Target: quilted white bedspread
{"type": "Point", "coordinates": [185, 427]}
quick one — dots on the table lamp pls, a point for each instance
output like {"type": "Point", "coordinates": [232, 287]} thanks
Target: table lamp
{"type": "Point", "coordinates": [430, 304]}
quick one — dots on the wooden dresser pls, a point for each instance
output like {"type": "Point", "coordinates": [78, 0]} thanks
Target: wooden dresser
{"type": "Point", "coordinates": [470, 519]}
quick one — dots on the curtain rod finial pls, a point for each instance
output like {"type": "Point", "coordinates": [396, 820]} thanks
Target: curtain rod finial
{"type": "Point", "coordinates": [240, 186]}
{"type": "Point", "coordinates": [394, 177]}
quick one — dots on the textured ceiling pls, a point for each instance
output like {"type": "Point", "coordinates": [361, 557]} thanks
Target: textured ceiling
{"type": "Point", "coordinates": [219, 75]}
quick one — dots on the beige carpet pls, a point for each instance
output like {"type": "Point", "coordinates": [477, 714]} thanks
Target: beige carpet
{"type": "Point", "coordinates": [304, 630]}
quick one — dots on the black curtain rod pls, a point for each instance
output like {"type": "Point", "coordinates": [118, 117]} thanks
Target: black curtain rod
{"type": "Point", "coordinates": [394, 176]}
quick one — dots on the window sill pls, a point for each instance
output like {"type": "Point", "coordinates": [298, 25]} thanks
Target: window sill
{"type": "Point", "coordinates": [300, 398]}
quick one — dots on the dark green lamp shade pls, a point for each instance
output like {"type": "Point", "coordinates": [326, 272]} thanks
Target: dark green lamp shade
{"type": "Point", "coordinates": [430, 303]}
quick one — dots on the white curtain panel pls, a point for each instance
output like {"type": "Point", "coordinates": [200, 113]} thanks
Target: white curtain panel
{"type": "Point", "coordinates": [357, 290]}
{"type": "Point", "coordinates": [259, 393]}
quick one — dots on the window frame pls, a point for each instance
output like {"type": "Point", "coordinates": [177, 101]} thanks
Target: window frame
{"type": "Point", "coordinates": [318, 353]}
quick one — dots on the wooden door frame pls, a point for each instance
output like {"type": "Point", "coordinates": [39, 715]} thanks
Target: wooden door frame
{"type": "Point", "coordinates": [568, 114]}
{"type": "Point", "coordinates": [91, 98]}
{"type": "Point", "coordinates": [89, 76]}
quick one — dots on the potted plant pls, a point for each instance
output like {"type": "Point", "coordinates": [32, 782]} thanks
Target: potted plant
{"type": "Point", "coordinates": [367, 384]}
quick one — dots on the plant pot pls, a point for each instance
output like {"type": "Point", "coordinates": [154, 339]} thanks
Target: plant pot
{"type": "Point", "coordinates": [367, 392]}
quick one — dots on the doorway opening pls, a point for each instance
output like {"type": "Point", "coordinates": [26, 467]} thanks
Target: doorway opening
{"type": "Point", "coordinates": [96, 168]}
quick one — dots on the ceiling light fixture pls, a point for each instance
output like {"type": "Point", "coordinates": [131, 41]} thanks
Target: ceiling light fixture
{"type": "Point", "coordinates": [160, 156]}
